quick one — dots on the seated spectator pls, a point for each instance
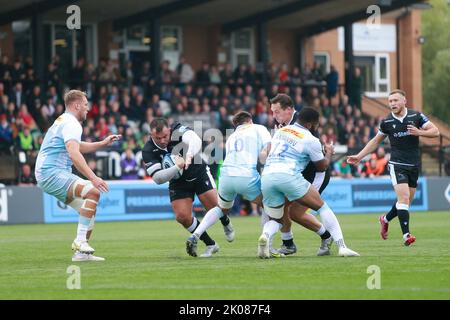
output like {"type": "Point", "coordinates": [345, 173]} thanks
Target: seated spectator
{"type": "Point", "coordinates": [6, 136]}
{"type": "Point", "coordinates": [129, 166]}
{"type": "Point", "coordinates": [369, 169]}
{"type": "Point", "coordinates": [381, 160]}
{"type": "Point", "coordinates": [26, 117]}
{"type": "Point", "coordinates": [214, 75]}
{"type": "Point", "coordinates": [342, 169]}
{"type": "Point", "coordinates": [331, 136]}
{"type": "Point", "coordinates": [185, 72]}
{"type": "Point", "coordinates": [26, 177]}
{"type": "Point", "coordinates": [92, 164]}
{"type": "Point", "coordinates": [102, 129]}
{"type": "Point", "coordinates": [25, 141]}
{"type": "Point", "coordinates": [447, 166]}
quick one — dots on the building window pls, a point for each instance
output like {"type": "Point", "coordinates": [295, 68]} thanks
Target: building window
{"type": "Point", "coordinates": [375, 74]}
{"type": "Point", "coordinates": [323, 58]}
{"type": "Point", "coordinates": [137, 36]}
{"type": "Point", "coordinates": [242, 51]}
{"type": "Point", "coordinates": [22, 38]}
{"type": "Point", "coordinates": [171, 45]}
{"type": "Point", "coordinates": [71, 45]}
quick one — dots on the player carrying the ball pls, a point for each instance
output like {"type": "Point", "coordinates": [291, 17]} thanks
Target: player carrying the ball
{"type": "Point", "coordinates": [195, 179]}
{"type": "Point", "coordinates": [239, 174]}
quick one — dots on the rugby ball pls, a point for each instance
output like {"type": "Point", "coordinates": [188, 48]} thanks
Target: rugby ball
{"type": "Point", "coordinates": [168, 162]}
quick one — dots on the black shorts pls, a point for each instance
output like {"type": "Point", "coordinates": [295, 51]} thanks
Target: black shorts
{"type": "Point", "coordinates": [189, 188]}
{"type": "Point", "coordinates": [309, 173]}
{"type": "Point", "coordinates": [403, 174]}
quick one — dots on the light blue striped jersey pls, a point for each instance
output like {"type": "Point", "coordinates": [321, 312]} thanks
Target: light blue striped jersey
{"type": "Point", "coordinates": [292, 148]}
{"type": "Point", "coordinates": [53, 153]}
{"type": "Point", "coordinates": [242, 150]}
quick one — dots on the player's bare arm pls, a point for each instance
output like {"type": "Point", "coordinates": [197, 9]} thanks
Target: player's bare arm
{"type": "Point", "coordinates": [165, 175]}
{"type": "Point", "coordinates": [88, 147]}
{"type": "Point", "coordinates": [369, 148]}
{"type": "Point", "coordinates": [194, 146]}
{"type": "Point", "coordinates": [264, 154]}
{"type": "Point", "coordinates": [323, 164]}
{"type": "Point", "coordinates": [429, 131]}
{"type": "Point", "coordinates": [73, 148]}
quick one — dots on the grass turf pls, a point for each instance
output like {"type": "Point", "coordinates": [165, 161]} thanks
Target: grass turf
{"type": "Point", "coordinates": [147, 260]}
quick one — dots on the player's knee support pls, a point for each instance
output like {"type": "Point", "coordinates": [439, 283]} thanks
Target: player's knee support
{"type": "Point", "coordinates": [223, 203]}
{"type": "Point", "coordinates": [274, 213]}
{"type": "Point", "coordinates": [80, 190]}
{"type": "Point", "coordinates": [89, 205]}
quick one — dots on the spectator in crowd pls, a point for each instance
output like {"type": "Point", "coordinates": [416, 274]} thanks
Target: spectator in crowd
{"type": "Point", "coordinates": [318, 71]}
{"type": "Point", "coordinates": [26, 176]}
{"type": "Point", "coordinates": [135, 96]}
{"type": "Point", "coordinates": [185, 71]}
{"type": "Point", "coordinates": [356, 89]}
{"type": "Point", "coordinates": [202, 76]}
{"type": "Point", "coordinates": [342, 169]}
{"type": "Point", "coordinates": [332, 79]}
{"type": "Point", "coordinates": [17, 95]}
{"type": "Point", "coordinates": [214, 75]}
{"type": "Point", "coordinates": [6, 136]}
{"type": "Point", "coordinates": [26, 118]}
{"type": "Point", "coordinates": [92, 164]}
{"type": "Point", "coordinates": [370, 169]}
{"type": "Point", "coordinates": [25, 141]}
{"type": "Point", "coordinates": [129, 166]}
{"type": "Point", "coordinates": [447, 166]}
{"type": "Point", "coordinates": [381, 160]}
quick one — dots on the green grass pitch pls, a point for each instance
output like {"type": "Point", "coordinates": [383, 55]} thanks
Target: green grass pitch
{"type": "Point", "coordinates": [147, 260]}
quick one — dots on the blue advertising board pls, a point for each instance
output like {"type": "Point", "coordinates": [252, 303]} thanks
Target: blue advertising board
{"type": "Point", "coordinates": [369, 195]}
{"type": "Point", "coordinates": [126, 200]}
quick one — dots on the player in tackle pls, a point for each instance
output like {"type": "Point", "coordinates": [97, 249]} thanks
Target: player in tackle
{"type": "Point", "coordinates": [62, 147]}
{"type": "Point", "coordinates": [195, 179]}
{"type": "Point", "coordinates": [238, 174]}
{"type": "Point", "coordinates": [293, 147]}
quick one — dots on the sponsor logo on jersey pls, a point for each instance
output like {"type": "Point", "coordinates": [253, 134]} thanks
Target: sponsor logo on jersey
{"type": "Point", "coordinates": [293, 132]}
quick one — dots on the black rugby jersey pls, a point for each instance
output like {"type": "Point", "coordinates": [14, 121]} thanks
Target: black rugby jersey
{"type": "Point", "coordinates": [153, 155]}
{"type": "Point", "coordinates": [293, 120]}
{"type": "Point", "coordinates": [404, 147]}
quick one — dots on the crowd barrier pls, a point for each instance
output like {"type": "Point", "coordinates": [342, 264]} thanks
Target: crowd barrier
{"type": "Point", "coordinates": [145, 200]}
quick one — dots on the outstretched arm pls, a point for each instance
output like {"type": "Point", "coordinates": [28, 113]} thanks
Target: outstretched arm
{"type": "Point", "coordinates": [73, 148]}
{"type": "Point", "coordinates": [194, 146]}
{"type": "Point", "coordinates": [88, 147]}
{"type": "Point", "coordinates": [369, 148]}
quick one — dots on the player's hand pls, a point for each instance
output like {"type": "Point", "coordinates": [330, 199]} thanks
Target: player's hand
{"type": "Point", "coordinates": [412, 130]}
{"type": "Point", "coordinates": [100, 184]}
{"type": "Point", "coordinates": [329, 148]}
{"type": "Point", "coordinates": [278, 126]}
{"type": "Point", "coordinates": [179, 161]}
{"type": "Point", "coordinates": [188, 162]}
{"type": "Point", "coordinates": [112, 138]}
{"type": "Point", "coordinates": [353, 159]}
